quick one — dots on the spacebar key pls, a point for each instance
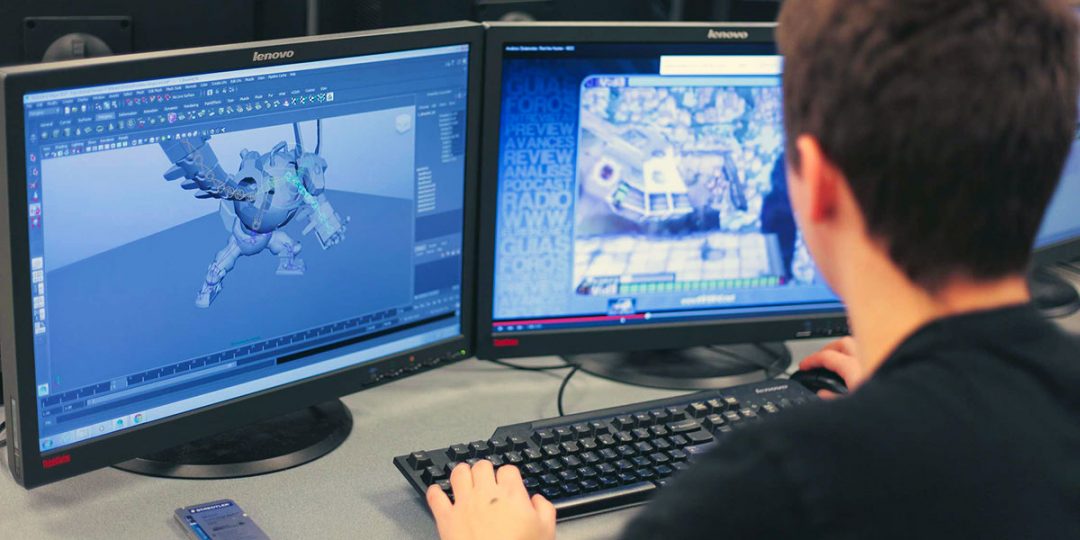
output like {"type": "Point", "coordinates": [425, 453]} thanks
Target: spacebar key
{"type": "Point", "coordinates": [607, 499]}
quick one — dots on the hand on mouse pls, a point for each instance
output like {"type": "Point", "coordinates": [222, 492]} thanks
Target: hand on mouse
{"type": "Point", "coordinates": [489, 505]}
{"type": "Point", "coordinates": [840, 357]}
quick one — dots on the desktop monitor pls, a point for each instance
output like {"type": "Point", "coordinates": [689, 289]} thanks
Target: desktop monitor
{"type": "Point", "coordinates": [203, 239]}
{"type": "Point", "coordinates": [634, 195]}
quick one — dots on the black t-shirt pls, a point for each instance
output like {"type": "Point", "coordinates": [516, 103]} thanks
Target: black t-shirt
{"type": "Point", "coordinates": [970, 429]}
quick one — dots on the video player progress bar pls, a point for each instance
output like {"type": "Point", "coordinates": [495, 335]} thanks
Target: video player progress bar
{"type": "Point", "coordinates": [699, 285]}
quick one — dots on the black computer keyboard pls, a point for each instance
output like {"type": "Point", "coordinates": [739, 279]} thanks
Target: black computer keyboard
{"type": "Point", "coordinates": [607, 459]}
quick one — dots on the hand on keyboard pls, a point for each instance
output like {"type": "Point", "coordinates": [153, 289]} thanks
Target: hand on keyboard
{"type": "Point", "coordinates": [489, 505]}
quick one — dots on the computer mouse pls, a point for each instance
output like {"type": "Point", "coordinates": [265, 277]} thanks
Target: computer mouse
{"type": "Point", "coordinates": [820, 379]}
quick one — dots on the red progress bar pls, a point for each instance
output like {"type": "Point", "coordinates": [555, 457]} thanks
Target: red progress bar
{"type": "Point", "coordinates": [601, 318]}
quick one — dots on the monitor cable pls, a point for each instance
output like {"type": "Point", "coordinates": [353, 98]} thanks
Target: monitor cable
{"type": "Point", "coordinates": [562, 388]}
{"type": "Point", "coordinates": [526, 368]}
{"type": "Point", "coordinates": [3, 426]}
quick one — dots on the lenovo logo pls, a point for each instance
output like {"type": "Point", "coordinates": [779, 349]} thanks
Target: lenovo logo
{"type": "Point", "coordinates": [62, 459]}
{"type": "Point", "coordinates": [728, 34]}
{"type": "Point", "coordinates": [277, 55]}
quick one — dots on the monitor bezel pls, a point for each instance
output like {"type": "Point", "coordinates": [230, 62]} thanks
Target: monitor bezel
{"type": "Point", "coordinates": [33, 468]}
{"type": "Point", "coordinates": [607, 339]}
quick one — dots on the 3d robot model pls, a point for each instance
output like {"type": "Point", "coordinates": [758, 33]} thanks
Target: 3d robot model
{"type": "Point", "coordinates": [257, 202]}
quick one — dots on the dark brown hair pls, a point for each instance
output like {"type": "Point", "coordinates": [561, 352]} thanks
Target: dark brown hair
{"type": "Point", "coordinates": [951, 119]}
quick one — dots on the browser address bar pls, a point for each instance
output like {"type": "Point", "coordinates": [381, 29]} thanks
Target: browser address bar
{"type": "Point", "coordinates": [722, 65]}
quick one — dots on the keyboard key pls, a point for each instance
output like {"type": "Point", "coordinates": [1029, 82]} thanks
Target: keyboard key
{"type": "Point", "coordinates": [457, 452]}
{"type": "Point", "coordinates": [564, 434]}
{"type": "Point", "coordinates": [770, 408]}
{"type": "Point", "coordinates": [534, 468]}
{"type": "Point", "coordinates": [626, 450]}
{"type": "Point", "coordinates": [551, 492]}
{"type": "Point", "coordinates": [645, 474]}
{"type": "Point", "coordinates": [553, 465]}
{"type": "Point", "coordinates": [623, 465]}
{"type": "Point", "coordinates": [624, 422]}
{"type": "Point", "coordinates": [678, 441]}
{"type": "Point", "coordinates": [677, 455]}
{"type": "Point", "coordinates": [531, 483]}
{"type": "Point", "coordinates": [514, 458]}
{"type": "Point", "coordinates": [570, 461]}
{"type": "Point", "coordinates": [571, 488]}
{"type": "Point", "coordinates": [532, 454]}
{"type": "Point", "coordinates": [549, 479]}
{"type": "Point", "coordinates": [644, 447]}
{"type": "Point", "coordinates": [590, 485]}
{"type": "Point", "coordinates": [568, 475]}
{"type": "Point", "coordinates": [658, 431]}
{"type": "Point", "coordinates": [627, 477]}
{"type": "Point", "coordinates": [499, 447]}
{"type": "Point", "coordinates": [419, 460]}
{"type": "Point", "coordinates": [587, 472]}
{"type": "Point", "coordinates": [699, 437]}
{"type": "Point", "coordinates": [660, 416]}
{"type": "Point", "coordinates": [479, 448]}
{"type": "Point", "coordinates": [588, 443]}
{"type": "Point", "coordinates": [714, 421]}
{"type": "Point", "coordinates": [715, 405]}
{"type": "Point", "coordinates": [590, 457]}
{"type": "Point", "coordinates": [731, 402]}
{"type": "Point", "coordinates": [662, 444]}
{"type": "Point", "coordinates": [608, 454]}
{"type": "Point", "coordinates": [432, 474]}
{"type": "Point", "coordinates": [684, 426]}
{"type": "Point", "coordinates": [676, 413]}
{"type": "Point", "coordinates": [663, 471]}
{"type": "Point", "coordinates": [641, 461]}
{"type": "Point", "coordinates": [496, 461]}
{"type": "Point", "coordinates": [732, 416]}
{"type": "Point", "coordinates": [551, 450]}
{"type": "Point", "coordinates": [570, 447]}
{"type": "Point", "coordinates": [605, 440]}
{"type": "Point", "coordinates": [598, 427]}
{"type": "Point", "coordinates": [444, 485]}
{"type": "Point", "coordinates": [749, 413]}
{"type": "Point", "coordinates": [544, 436]}
{"type": "Point", "coordinates": [517, 443]}
{"type": "Point", "coordinates": [605, 468]}
{"type": "Point", "coordinates": [473, 461]}
{"type": "Point", "coordinates": [643, 419]}
{"type": "Point", "coordinates": [697, 409]}
{"type": "Point", "coordinates": [624, 437]}
{"type": "Point", "coordinates": [581, 430]}
{"type": "Point", "coordinates": [609, 481]}
{"type": "Point", "coordinates": [641, 434]}
{"type": "Point", "coordinates": [659, 458]}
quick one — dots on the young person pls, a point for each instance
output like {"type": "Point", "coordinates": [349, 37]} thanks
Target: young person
{"type": "Point", "coordinates": [925, 138]}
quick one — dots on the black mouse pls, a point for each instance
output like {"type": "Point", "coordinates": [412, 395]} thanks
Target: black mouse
{"type": "Point", "coordinates": [820, 379]}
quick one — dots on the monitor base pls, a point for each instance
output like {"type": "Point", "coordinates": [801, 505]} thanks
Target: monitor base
{"type": "Point", "coordinates": [272, 445]}
{"type": "Point", "coordinates": [695, 368]}
{"type": "Point", "coordinates": [1052, 294]}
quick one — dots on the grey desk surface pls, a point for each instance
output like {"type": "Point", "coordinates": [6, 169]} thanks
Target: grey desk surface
{"type": "Point", "coordinates": [355, 492]}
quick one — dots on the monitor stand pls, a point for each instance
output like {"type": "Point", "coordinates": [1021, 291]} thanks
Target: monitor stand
{"type": "Point", "coordinates": [696, 368]}
{"type": "Point", "coordinates": [1052, 294]}
{"type": "Point", "coordinates": [264, 447]}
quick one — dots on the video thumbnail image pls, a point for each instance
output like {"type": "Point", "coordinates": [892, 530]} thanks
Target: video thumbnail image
{"type": "Point", "coordinates": [681, 189]}
{"type": "Point", "coordinates": [204, 240]}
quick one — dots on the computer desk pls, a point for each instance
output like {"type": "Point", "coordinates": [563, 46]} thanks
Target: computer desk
{"type": "Point", "coordinates": [355, 491]}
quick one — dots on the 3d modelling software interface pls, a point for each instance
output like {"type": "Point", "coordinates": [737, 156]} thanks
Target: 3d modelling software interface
{"type": "Point", "coordinates": [202, 238]}
{"type": "Point", "coordinates": [645, 184]}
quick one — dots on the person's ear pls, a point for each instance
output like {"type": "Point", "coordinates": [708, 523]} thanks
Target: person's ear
{"type": "Point", "coordinates": [819, 181]}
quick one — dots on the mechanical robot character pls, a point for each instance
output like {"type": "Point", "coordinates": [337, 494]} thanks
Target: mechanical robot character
{"type": "Point", "coordinates": [257, 202]}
